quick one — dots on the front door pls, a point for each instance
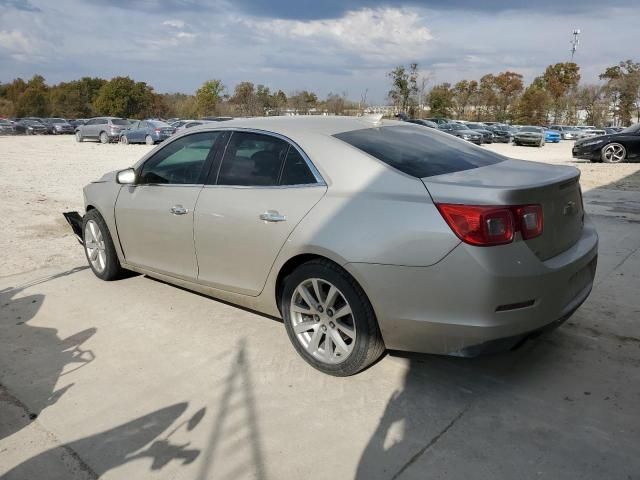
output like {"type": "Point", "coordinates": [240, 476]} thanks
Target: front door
{"type": "Point", "coordinates": [154, 217]}
{"type": "Point", "coordinates": [262, 189]}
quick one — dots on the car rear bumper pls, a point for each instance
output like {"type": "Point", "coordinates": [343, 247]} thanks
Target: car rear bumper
{"type": "Point", "coordinates": [477, 299]}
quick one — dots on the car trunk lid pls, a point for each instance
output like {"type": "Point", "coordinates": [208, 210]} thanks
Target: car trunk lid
{"type": "Point", "coordinates": [518, 182]}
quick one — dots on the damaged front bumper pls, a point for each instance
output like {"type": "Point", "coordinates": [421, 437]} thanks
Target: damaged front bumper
{"type": "Point", "coordinates": [74, 219]}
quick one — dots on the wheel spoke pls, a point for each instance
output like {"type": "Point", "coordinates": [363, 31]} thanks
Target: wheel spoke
{"type": "Point", "coordinates": [332, 295]}
{"type": "Point", "coordinates": [306, 296]}
{"type": "Point", "coordinates": [328, 347]}
{"type": "Point", "coordinates": [92, 227]}
{"type": "Point", "coordinates": [301, 309]}
{"type": "Point", "coordinates": [305, 326]}
{"type": "Point", "coordinates": [93, 254]}
{"type": "Point", "coordinates": [346, 310]}
{"type": "Point", "coordinates": [339, 342]}
{"type": "Point", "coordinates": [315, 341]}
{"type": "Point", "coordinates": [316, 290]}
{"type": "Point", "coordinates": [347, 330]}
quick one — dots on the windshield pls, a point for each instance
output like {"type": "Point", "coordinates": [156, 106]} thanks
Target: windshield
{"type": "Point", "coordinates": [632, 129]}
{"type": "Point", "coordinates": [475, 125]}
{"type": "Point", "coordinates": [417, 151]}
{"type": "Point", "coordinates": [57, 120]}
{"type": "Point", "coordinates": [155, 123]}
{"type": "Point", "coordinates": [119, 121]}
{"type": "Point", "coordinates": [571, 129]}
{"type": "Point", "coordinates": [531, 129]}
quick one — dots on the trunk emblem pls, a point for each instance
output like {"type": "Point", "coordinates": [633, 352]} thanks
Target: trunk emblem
{"type": "Point", "coordinates": [570, 209]}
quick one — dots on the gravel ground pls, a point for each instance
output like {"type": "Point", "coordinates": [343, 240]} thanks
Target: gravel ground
{"type": "Point", "coordinates": [42, 176]}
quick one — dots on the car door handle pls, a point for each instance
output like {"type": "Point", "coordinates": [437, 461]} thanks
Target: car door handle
{"type": "Point", "coordinates": [178, 210]}
{"type": "Point", "coordinates": [272, 216]}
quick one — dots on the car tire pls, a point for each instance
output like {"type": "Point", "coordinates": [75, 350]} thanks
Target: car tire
{"type": "Point", "coordinates": [357, 332]}
{"type": "Point", "coordinates": [103, 137]}
{"type": "Point", "coordinates": [613, 153]}
{"type": "Point", "coordinates": [148, 140]}
{"type": "Point", "coordinates": [79, 137]}
{"type": "Point", "coordinates": [98, 247]}
{"type": "Point", "coordinates": [124, 140]}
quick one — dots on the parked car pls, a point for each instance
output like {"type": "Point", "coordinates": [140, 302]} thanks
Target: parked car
{"type": "Point", "coordinates": [566, 132]}
{"type": "Point", "coordinates": [30, 127]}
{"type": "Point", "coordinates": [530, 135]}
{"type": "Point", "coordinates": [487, 135]}
{"type": "Point", "coordinates": [439, 120]}
{"type": "Point", "coordinates": [190, 124]}
{"type": "Point", "coordinates": [75, 123]}
{"type": "Point", "coordinates": [103, 129]}
{"type": "Point", "coordinates": [147, 131]}
{"type": "Point", "coordinates": [6, 127]}
{"type": "Point", "coordinates": [472, 247]}
{"type": "Point", "coordinates": [59, 126]}
{"type": "Point", "coordinates": [461, 131]}
{"type": "Point", "coordinates": [551, 136]}
{"type": "Point", "coordinates": [501, 133]}
{"type": "Point", "coordinates": [612, 148]}
{"type": "Point", "coordinates": [589, 133]}
{"type": "Point", "coordinates": [424, 123]}
{"type": "Point", "coordinates": [47, 128]}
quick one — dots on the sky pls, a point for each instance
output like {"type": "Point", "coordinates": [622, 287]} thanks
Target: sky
{"type": "Point", "coordinates": [338, 46]}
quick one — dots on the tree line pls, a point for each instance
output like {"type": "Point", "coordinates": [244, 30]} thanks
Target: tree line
{"type": "Point", "coordinates": [555, 96]}
{"type": "Point", "coordinates": [124, 97]}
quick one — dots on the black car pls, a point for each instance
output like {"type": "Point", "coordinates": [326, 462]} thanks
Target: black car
{"type": "Point", "coordinates": [461, 131]}
{"type": "Point", "coordinates": [613, 148]}
{"type": "Point", "coordinates": [48, 128]}
{"type": "Point", "coordinates": [424, 123]}
{"type": "Point", "coordinates": [501, 133]}
{"type": "Point", "coordinates": [487, 135]}
{"type": "Point", "coordinates": [439, 120]}
{"type": "Point", "coordinates": [6, 127]}
{"type": "Point", "coordinates": [28, 126]}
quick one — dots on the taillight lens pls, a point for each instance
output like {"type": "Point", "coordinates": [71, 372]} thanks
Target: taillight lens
{"type": "Point", "coordinates": [157, 130]}
{"type": "Point", "coordinates": [484, 225]}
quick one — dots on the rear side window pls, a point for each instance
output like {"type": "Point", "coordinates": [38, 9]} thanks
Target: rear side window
{"type": "Point", "coordinates": [418, 151]}
{"type": "Point", "coordinates": [252, 159]}
{"type": "Point", "coordinates": [296, 171]}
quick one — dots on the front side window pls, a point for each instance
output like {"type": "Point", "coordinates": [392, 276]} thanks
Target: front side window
{"type": "Point", "coordinates": [419, 152]}
{"type": "Point", "coordinates": [252, 159]}
{"type": "Point", "coordinates": [180, 162]}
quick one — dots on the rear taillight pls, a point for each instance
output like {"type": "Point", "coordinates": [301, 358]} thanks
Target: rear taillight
{"type": "Point", "coordinates": [484, 225]}
{"type": "Point", "coordinates": [157, 130]}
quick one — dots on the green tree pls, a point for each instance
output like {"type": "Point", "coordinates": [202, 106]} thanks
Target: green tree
{"type": "Point", "coordinates": [403, 85]}
{"type": "Point", "coordinates": [533, 106]}
{"type": "Point", "coordinates": [623, 86]}
{"type": "Point", "coordinates": [34, 101]}
{"type": "Point", "coordinates": [464, 93]}
{"type": "Point", "coordinates": [208, 97]}
{"type": "Point", "coordinates": [441, 100]}
{"type": "Point", "coordinates": [508, 87]}
{"type": "Point", "coordinates": [559, 80]}
{"type": "Point", "coordinates": [123, 97]}
{"type": "Point", "coordinates": [245, 98]}
{"type": "Point", "coordinates": [303, 102]}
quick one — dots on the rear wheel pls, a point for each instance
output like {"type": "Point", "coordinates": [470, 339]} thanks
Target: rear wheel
{"type": "Point", "coordinates": [329, 319]}
{"type": "Point", "coordinates": [99, 248]}
{"type": "Point", "coordinates": [104, 138]}
{"type": "Point", "coordinates": [613, 153]}
{"type": "Point", "coordinates": [148, 140]}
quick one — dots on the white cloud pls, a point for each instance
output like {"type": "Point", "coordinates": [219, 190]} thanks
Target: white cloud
{"type": "Point", "coordinates": [373, 33]}
{"type": "Point", "coordinates": [174, 23]}
{"type": "Point", "coordinates": [16, 41]}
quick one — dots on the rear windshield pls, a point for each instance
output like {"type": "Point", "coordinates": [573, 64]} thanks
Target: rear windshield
{"type": "Point", "coordinates": [418, 151]}
{"type": "Point", "coordinates": [119, 121]}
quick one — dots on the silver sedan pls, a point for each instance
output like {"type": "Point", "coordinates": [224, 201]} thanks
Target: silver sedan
{"type": "Point", "coordinates": [362, 234]}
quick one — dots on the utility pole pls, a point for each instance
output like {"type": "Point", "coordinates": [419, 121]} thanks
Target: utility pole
{"type": "Point", "coordinates": [575, 42]}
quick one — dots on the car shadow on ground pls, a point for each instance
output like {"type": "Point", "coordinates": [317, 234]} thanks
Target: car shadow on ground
{"type": "Point", "coordinates": [38, 350]}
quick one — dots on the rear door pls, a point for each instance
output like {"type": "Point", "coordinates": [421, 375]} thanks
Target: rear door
{"type": "Point", "coordinates": [261, 189]}
{"type": "Point", "coordinates": [154, 217]}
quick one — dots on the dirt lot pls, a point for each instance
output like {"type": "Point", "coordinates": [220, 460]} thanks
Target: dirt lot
{"type": "Point", "coordinates": [139, 379]}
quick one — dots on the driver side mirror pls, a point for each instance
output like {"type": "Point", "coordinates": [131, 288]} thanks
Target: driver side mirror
{"type": "Point", "coordinates": [126, 177]}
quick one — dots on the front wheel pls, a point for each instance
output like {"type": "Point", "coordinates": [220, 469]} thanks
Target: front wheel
{"type": "Point", "coordinates": [124, 140]}
{"type": "Point", "coordinates": [329, 319]}
{"type": "Point", "coordinates": [99, 248]}
{"type": "Point", "coordinates": [613, 153]}
{"type": "Point", "coordinates": [79, 137]}
{"type": "Point", "coordinates": [148, 140]}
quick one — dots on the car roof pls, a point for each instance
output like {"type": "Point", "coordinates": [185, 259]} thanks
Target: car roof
{"type": "Point", "coordinates": [294, 126]}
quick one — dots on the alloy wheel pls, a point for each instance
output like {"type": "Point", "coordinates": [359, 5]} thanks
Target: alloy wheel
{"type": "Point", "coordinates": [613, 153]}
{"type": "Point", "coordinates": [322, 321]}
{"type": "Point", "coordinates": [94, 244]}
